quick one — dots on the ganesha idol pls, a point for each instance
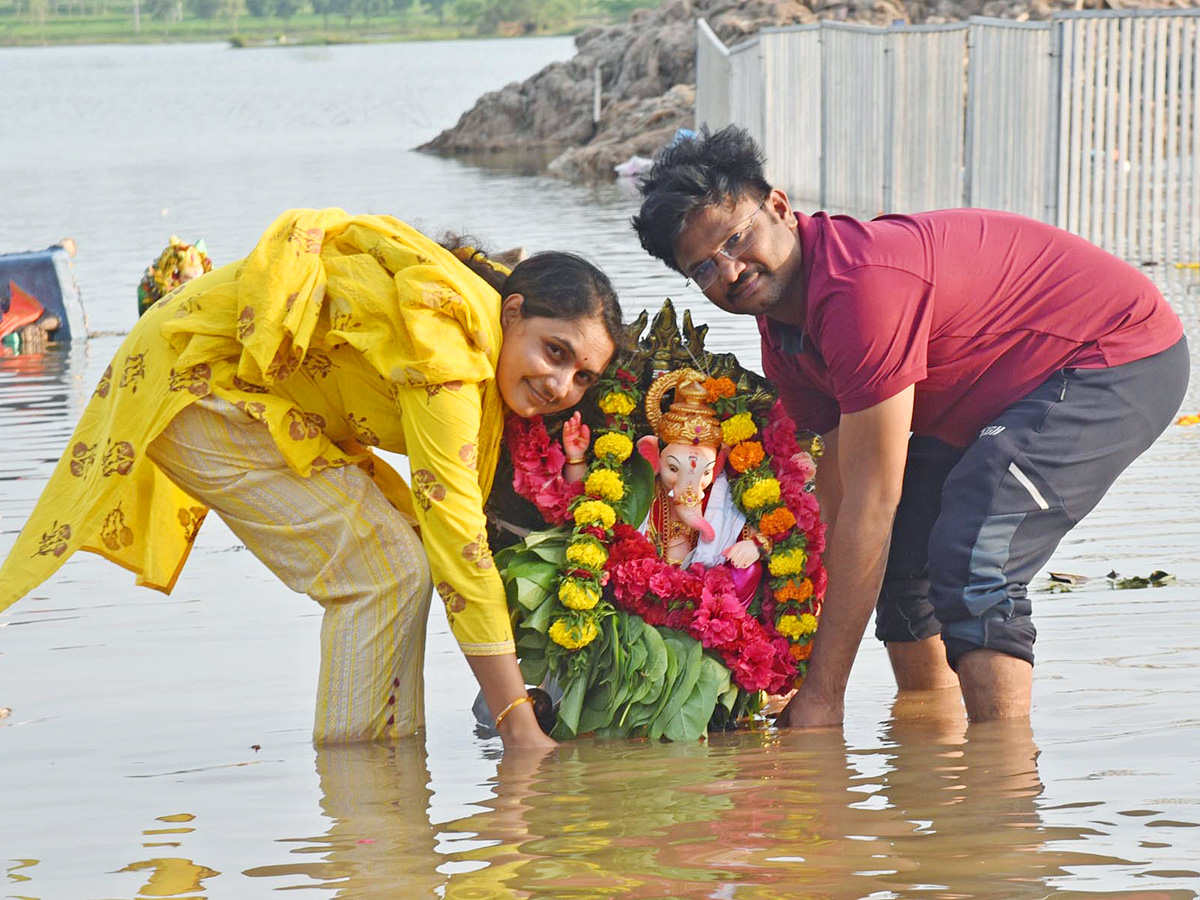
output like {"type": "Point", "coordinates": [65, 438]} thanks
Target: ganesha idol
{"type": "Point", "coordinates": [692, 517]}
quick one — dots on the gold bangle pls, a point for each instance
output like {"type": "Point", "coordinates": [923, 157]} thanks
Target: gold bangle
{"type": "Point", "coordinates": [576, 461]}
{"type": "Point", "coordinates": [504, 712]}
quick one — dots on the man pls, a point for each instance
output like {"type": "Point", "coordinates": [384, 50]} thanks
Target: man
{"type": "Point", "coordinates": [1030, 367]}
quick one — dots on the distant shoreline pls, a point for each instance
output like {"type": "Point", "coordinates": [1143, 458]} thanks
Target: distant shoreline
{"type": "Point", "coordinates": [302, 30]}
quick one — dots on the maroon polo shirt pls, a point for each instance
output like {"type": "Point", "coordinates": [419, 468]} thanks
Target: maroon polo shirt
{"type": "Point", "coordinates": [975, 308]}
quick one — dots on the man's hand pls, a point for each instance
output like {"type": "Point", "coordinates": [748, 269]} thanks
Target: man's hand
{"type": "Point", "coordinates": [806, 710]}
{"type": "Point", "coordinates": [867, 454]}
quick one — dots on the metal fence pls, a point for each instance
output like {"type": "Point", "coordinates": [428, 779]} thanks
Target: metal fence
{"type": "Point", "coordinates": [1090, 120]}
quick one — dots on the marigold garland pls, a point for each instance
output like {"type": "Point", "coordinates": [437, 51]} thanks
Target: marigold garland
{"type": "Point", "coordinates": [595, 512]}
{"type": "Point", "coordinates": [574, 633]}
{"type": "Point", "coordinates": [776, 522]}
{"type": "Point", "coordinates": [613, 446]}
{"type": "Point", "coordinates": [746, 456]}
{"type": "Point", "coordinates": [617, 404]}
{"type": "Point", "coordinates": [588, 552]}
{"type": "Point", "coordinates": [719, 389]}
{"type": "Point", "coordinates": [761, 493]}
{"type": "Point", "coordinates": [738, 428]}
{"type": "Point", "coordinates": [605, 484]}
{"type": "Point", "coordinates": [576, 594]}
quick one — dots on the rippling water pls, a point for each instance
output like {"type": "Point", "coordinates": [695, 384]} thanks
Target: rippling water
{"type": "Point", "coordinates": [159, 747]}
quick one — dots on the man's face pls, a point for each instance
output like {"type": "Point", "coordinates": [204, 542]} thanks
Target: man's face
{"type": "Point", "coordinates": [763, 273]}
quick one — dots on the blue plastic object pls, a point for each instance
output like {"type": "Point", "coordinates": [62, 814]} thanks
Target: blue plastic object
{"type": "Point", "coordinates": [48, 276]}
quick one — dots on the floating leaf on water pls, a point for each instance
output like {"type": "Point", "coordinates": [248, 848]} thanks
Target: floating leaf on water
{"type": "Point", "coordinates": [1069, 578]}
{"type": "Point", "coordinates": [1157, 578]}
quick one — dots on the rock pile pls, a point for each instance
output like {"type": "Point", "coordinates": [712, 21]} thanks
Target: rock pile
{"type": "Point", "coordinates": [648, 70]}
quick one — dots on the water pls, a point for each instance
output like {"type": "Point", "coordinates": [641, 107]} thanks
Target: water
{"type": "Point", "coordinates": [159, 747]}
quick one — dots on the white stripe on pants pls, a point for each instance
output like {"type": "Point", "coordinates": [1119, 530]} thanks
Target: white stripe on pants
{"type": "Point", "coordinates": [332, 536]}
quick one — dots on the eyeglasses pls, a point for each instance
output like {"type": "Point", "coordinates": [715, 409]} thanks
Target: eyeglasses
{"type": "Point", "coordinates": [704, 274]}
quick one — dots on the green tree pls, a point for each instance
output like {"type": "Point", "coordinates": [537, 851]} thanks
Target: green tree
{"type": "Point", "coordinates": [260, 9]}
{"type": "Point", "coordinates": [205, 9]}
{"type": "Point", "coordinates": [285, 9]}
{"type": "Point", "coordinates": [323, 8]}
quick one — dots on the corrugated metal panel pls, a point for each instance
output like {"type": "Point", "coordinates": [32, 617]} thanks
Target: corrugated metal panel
{"type": "Point", "coordinates": [926, 123]}
{"type": "Point", "coordinates": [712, 78]}
{"type": "Point", "coordinates": [792, 109]}
{"type": "Point", "coordinates": [856, 99]}
{"type": "Point", "coordinates": [746, 88]}
{"type": "Point", "coordinates": [1130, 174]}
{"type": "Point", "coordinates": [1091, 121]}
{"type": "Point", "coordinates": [1011, 147]}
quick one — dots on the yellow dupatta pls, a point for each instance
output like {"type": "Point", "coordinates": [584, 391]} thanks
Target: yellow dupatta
{"type": "Point", "coordinates": [319, 281]}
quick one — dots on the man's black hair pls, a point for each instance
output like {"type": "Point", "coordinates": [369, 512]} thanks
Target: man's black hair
{"type": "Point", "coordinates": [707, 170]}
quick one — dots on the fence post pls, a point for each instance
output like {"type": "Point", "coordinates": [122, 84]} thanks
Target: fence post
{"type": "Point", "coordinates": [889, 120]}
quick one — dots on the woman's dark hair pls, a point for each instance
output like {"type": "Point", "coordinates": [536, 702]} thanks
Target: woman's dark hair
{"type": "Point", "coordinates": [555, 284]}
{"type": "Point", "coordinates": [558, 285]}
{"type": "Point", "coordinates": [707, 170]}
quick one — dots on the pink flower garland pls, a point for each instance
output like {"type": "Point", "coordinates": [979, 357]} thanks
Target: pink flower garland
{"type": "Point", "coordinates": [537, 469]}
{"type": "Point", "coordinates": [663, 594]}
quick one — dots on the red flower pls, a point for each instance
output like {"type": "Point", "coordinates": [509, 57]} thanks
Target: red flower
{"type": "Point", "coordinates": [779, 435]}
{"type": "Point", "coordinates": [664, 582]}
{"type": "Point", "coordinates": [537, 468]}
{"type": "Point", "coordinates": [820, 580]}
{"type": "Point", "coordinates": [717, 621]}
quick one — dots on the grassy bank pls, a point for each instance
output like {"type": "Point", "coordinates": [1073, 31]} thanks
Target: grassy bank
{"type": "Point", "coordinates": [255, 22]}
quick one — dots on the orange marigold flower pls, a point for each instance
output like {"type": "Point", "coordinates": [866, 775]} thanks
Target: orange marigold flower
{"type": "Point", "coordinates": [795, 590]}
{"type": "Point", "coordinates": [746, 455]}
{"type": "Point", "coordinates": [800, 651]}
{"type": "Point", "coordinates": [778, 521]}
{"type": "Point", "coordinates": [718, 388]}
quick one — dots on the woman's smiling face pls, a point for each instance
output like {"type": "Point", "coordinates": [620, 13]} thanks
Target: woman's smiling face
{"type": "Point", "coordinates": [546, 364]}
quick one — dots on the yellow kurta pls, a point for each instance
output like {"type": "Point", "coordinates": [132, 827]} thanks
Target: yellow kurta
{"type": "Point", "coordinates": [339, 333]}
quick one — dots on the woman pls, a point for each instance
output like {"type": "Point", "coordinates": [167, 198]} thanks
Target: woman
{"type": "Point", "coordinates": [258, 389]}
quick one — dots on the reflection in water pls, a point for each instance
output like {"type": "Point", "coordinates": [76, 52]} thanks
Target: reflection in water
{"type": "Point", "coordinates": [939, 809]}
{"type": "Point", "coordinates": [171, 877]}
{"type": "Point", "coordinates": [377, 797]}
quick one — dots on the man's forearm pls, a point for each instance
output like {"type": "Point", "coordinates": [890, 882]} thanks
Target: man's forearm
{"type": "Point", "coordinates": [855, 562]}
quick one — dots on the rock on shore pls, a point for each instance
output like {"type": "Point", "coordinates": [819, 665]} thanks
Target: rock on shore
{"type": "Point", "coordinates": [648, 71]}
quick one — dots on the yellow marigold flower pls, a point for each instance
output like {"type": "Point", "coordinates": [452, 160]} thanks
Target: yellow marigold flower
{"type": "Point", "coordinates": [576, 594]}
{"type": "Point", "coordinates": [808, 623]}
{"type": "Point", "coordinates": [761, 493]}
{"type": "Point", "coordinates": [573, 635]}
{"type": "Point", "coordinates": [778, 521]}
{"type": "Point", "coordinates": [595, 512]}
{"type": "Point", "coordinates": [617, 404]}
{"type": "Point", "coordinates": [789, 626]}
{"type": "Point", "coordinates": [718, 388]}
{"type": "Point", "coordinates": [738, 428]}
{"type": "Point", "coordinates": [614, 445]}
{"type": "Point", "coordinates": [746, 455]}
{"type": "Point", "coordinates": [604, 483]}
{"type": "Point", "coordinates": [787, 562]}
{"type": "Point", "coordinates": [588, 553]}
